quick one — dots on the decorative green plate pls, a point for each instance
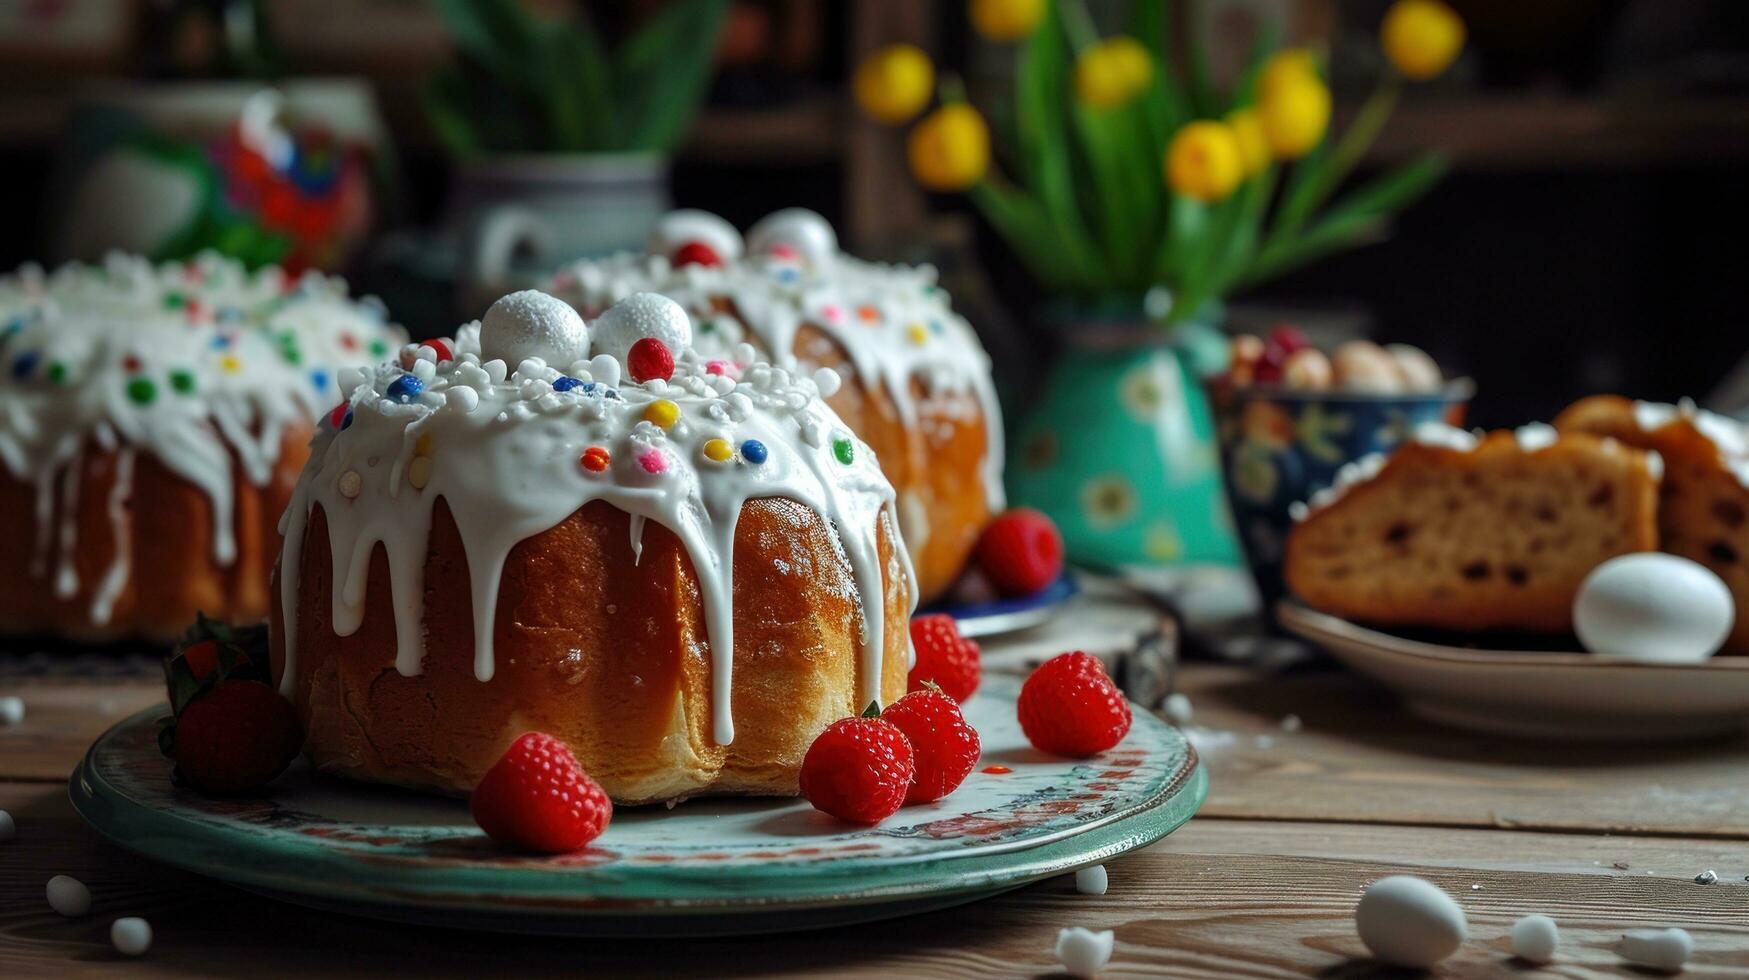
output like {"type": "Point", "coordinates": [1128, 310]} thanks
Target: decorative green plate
{"type": "Point", "coordinates": [704, 867]}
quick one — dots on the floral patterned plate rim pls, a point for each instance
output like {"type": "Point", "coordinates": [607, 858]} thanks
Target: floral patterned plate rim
{"type": "Point", "coordinates": [374, 850]}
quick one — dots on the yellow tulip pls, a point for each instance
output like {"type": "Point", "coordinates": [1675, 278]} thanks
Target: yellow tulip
{"type": "Point", "coordinates": [1247, 127]}
{"type": "Point", "coordinates": [1294, 117]}
{"type": "Point", "coordinates": [1204, 161]}
{"type": "Point", "coordinates": [1421, 37]}
{"type": "Point", "coordinates": [1285, 68]}
{"type": "Point", "coordinates": [1112, 72]}
{"type": "Point", "coordinates": [894, 84]}
{"type": "Point", "coordinates": [1006, 20]}
{"type": "Point", "coordinates": [949, 149]}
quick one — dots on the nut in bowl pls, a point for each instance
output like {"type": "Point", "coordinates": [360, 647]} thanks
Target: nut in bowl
{"type": "Point", "coordinates": [1289, 417]}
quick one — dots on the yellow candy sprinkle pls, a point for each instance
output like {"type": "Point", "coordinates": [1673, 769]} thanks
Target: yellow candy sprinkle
{"type": "Point", "coordinates": [918, 335]}
{"type": "Point", "coordinates": [422, 445]}
{"type": "Point", "coordinates": [419, 472]}
{"type": "Point", "coordinates": [663, 413]}
{"type": "Point", "coordinates": [230, 363]}
{"type": "Point", "coordinates": [719, 450]}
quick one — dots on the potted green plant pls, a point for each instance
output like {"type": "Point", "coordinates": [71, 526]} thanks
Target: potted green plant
{"type": "Point", "coordinates": [1141, 194]}
{"type": "Point", "coordinates": [562, 138]}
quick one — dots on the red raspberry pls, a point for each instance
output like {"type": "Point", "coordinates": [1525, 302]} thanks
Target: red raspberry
{"type": "Point", "coordinates": [538, 798]}
{"type": "Point", "coordinates": [1070, 707]}
{"type": "Point", "coordinates": [1287, 338]}
{"type": "Point", "coordinates": [650, 358]}
{"type": "Point", "coordinates": [696, 253]}
{"type": "Point", "coordinates": [943, 747]}
{"type": "Point", "coordinates": [858, 769]}
{"type": "Point", "coordinates": [1021, 552]}
{"type": "Point", "coordinates": [945, 657]}
{"type": "Point", "coordinates": [235, 738]}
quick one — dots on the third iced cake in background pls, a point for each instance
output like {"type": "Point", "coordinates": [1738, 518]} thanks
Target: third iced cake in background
{"type": "Point", "coordinates": [917, 385]}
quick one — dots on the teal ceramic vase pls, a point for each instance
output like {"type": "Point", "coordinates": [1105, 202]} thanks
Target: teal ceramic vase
{"type": "Point", "coordinates": [1119, 447]}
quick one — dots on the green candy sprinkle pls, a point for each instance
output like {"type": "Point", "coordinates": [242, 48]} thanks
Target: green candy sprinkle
{"type": "Point", "coordinates": [142, 390]}
{"type": "Point", "coordinates": [378, 348]}
{"type": "Point", "coordinates": [173, 301]}
{"type": "Point", "coordinates": [182, 381]}
{"type": "Point", "coordinates": [843, 449]}
{"type": "Point", "coordinates": [57, 372]}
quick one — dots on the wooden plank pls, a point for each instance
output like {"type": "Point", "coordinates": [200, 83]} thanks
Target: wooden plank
{"type": "Point", "coordinates": [1360, 756]}
{"type": "Point", "coordinates": [62, 716]}
{"type": "Point", "coordinates": [1219, 898]}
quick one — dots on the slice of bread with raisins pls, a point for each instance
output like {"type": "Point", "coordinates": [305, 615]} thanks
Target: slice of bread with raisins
{"type": "Point", "coordinates": [1703, 506]}
{"type": "Point", "coordinates": [1459, 533]}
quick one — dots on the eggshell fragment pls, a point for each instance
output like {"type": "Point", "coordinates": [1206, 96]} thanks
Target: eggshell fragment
{"type": "Point", "coordinates": [1534, 939]}
{"type": "Point", "coordinates": [1653, 606]}
{"type": "Point", "coordinates": [1408, 921]}
{"type": "Point", "coordinates": [1660, 949]}
{"type": "Point", "coordinates": [1083, 952]}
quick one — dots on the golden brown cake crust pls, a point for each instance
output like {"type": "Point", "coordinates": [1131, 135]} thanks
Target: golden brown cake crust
{"type": "Point", "coordinates": [170, 572]}
{"type": "Point", "coordinates": [602, 648]}
{"type": "Point", "coordinates": [1703, 507]}
{"type": "Point", "coordinates": [1498, 538]}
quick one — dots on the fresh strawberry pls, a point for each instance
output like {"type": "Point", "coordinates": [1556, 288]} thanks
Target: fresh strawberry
{"type": "Point", "coordinates": [1021, 552]}
{"type": "Point", "coordinates": [1070, 707]}
{"type": "Point", "coordinates": [202, 659]}
{"type": "Point", "coordinates": [944, 748]}
{"type": "Point", "coordinates": [650, 358]}
{"type": "Point", "coordinates": [235, 738]}
{"type": "Point", "coordinates": [944, 657]}
{"type": "Point", "coordinates": [538, 798]}
{"type": "Point", "coordinates": [696, 253]}
{"type": "Point", "coordinates": [858, 769]}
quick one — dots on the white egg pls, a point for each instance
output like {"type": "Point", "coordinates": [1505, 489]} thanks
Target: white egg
{"type": "Point", "coordinates": [1408, 921]}
{"type": "Point", "coordinates": [1534, 939]}
{"type": "Point", "coordinates": [1083, 952]}
{"type": "Point", "coordinates": [69, 896]}
{"type": "Point", "coordinates": [1653, 606]}
{"type": "Point", "coordinates": [638, 316]}
{"type": "Point", "coordinates": [1660, 949]}
{"type": "Point", "coordinates": [1363, 366]}
{"type": "Point", "coordinates": [1419, 371]}
{"type": "Point", "coordinates": [809, 234]}
{"type": "Point", "coordinates": [690, 225]}
{"type": "Point", "coordinates": [529, 324]}
{"type": "Point", "coordinates": [131, 936]}
{"type": "Point", "coordinates": [1092, 881]}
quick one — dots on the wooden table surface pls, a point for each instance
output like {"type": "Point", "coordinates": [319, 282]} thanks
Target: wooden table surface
{"type": "Point", "coordinates": [1261, 884]}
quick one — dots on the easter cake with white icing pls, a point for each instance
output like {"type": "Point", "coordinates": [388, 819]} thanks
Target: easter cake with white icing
{"type": "Point", "coordinates": [152, 421]}
{"type": "Point", "coordinates": [1471, 533]}
{"type": "Point", "coordinates": [589, 530]}
{"type": "Point", "coordinates": [917, 383]}
{"type": "Point", "coordinates": [1703, 503]}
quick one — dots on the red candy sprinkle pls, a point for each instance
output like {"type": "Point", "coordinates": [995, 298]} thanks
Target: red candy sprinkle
{"type": "Point", "coordinates": [130, 363]}
{"type": "Point", "coordinates": [696, 253]}
{"type": "Point", "coordinates": [442, 349]}
{"type": "Point", "coordinates": [783, 252]}
{"type": "Point", "coordinates": [595, 459]}
{"type": "Point", "coordinates": [996, 770]}
{"type": "Point", "coordinates": [650, 358]}
{"type": "Point", "coordinates": [338, 415]}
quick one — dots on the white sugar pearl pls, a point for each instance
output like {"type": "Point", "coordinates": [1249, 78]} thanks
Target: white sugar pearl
{"type": "Point", "coordinates": [131, 936]}
{"type": "Point", "coordinates": [532, 324]}
{"type": "Point", "coordinates": [424, 353]}
{"type": "Point", "coordinates": [1178, 709]}
{"type": "Point", "coordinates": [805, 231]}
{"type": "Point", "coordinates": [425, 370]}
{"type": "Point", "coordinates": [496, 371]}
{"type": "Point", "coordinates": [688, 225]}
{"type": "Point", "coordinates": [638, 316]}
{"type": "Point", "coordinates": [1408, 921]}
{"type": "Point", "coordinates": [464, 398]}
{"type": "Point", "coordinates": [1083, 952]}
{"type": "Point", "coordinates": [8, 829]}
{"type": "Point", "coordinates": [605, 369]}
{"type": "Point", "coordinates": [1092, 881]}
{"type": "Point", "coordinates": [531, 367]}
{"type": "Point", "coordinates": [11, 710]}
{"type": "Point", "coordinates": [69, 896]}
{"type": "Point", "coordinates": [1534, 939]}
{"type": "Point", "coordinates": [1660, 949]}
{"type": "Point", "coordinates": [828, 381]}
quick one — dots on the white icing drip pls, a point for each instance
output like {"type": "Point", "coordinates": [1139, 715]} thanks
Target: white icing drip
{"type": "Point", "coordinates": [508, 468]}
{"type": "Point", "coordinates": [1535, 436]}
{"type": "Point", "coordinates": [1729, 436]}
{"type": "Point", "coordinates": [204, 365]}
{"type": "Point", "coordinates": [893, 322]}
{"type": "Point", "coordinates": [637, 528]}
{"type": "Point", "coordinates": [116, 577]}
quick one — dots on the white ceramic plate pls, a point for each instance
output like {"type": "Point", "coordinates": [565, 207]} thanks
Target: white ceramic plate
{"type": "Point", "coordinates": [1549, 695]}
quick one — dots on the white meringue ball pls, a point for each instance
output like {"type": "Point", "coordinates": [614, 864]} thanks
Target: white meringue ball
{"type": "Point", "coordinates": [1535, 939]}
{"type": "Point", "coordinates": [689, 225]}
{"type": "Point", "coordinates": [531, 323]}
{"type": "Point", "coordinates": [1084, 952]}
{"type": "Point", "coordinates": [638, 316]}
{"type": "Point", "coordinates": [805, 231]}
{"type": "Point", "coordinates": [131, 936]}
{"type": "Point", "coordinates": [1660, 949]}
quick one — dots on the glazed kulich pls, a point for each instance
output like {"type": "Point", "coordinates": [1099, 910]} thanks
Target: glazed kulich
{"type": "Point", "coordinates": [917, 383]}
{"type": "Point", "coordinates": [152, 422]}
{"type": "Point", "coordinates": [684, 579]}
{"type": "Point", "coordinates": [1456, 532]}
{"type": "Point", "coordinates": [1703, 504]}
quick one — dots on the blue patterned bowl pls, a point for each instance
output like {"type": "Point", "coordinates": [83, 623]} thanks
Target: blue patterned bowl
{"type": "Point", "coordinates": [1280, 446]}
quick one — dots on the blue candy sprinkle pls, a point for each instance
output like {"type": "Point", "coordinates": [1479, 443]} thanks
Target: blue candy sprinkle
{"type": "Point", "coordinates": [25, 364]}
{"type": "Point", "coordinates": [346, 420]}
{"type": "Point", "coordinates": [754, 451]}
{"type": "Point", "coordinates": [319, 378]}
{"type": "Point", "coordinates": [566, 383]}
{"type": "Point", "coordinates": [405, 388]}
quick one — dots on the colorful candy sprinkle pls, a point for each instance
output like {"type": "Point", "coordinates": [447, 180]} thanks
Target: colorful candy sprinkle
{"type": "Point", "coordinates": [422, 445]}
{"type": "Point", "coordinates": [57, 372]}
{"type": "Point", "coordinates": [142, 391]}
{"type": "Point", "coordinates": [350, 484]}
{"type": "Point", "coordinates": [844, 450]}
{"type": "Point", "coordinates": [595, 459]}
{"type": "Point", "coordinates": [338, 413]}
{"type": "Point", "coordinates": [654, 461]}
{"type": "Point", "coordinates": [916, 334]}
{"type": "Point", "coordinates": [696, 253]}
{"type": "Point", "coordinates": [717, 367]}
{"type": "Point", "coordinates": [441, 349]}
{"type": "Point", "coordinates": [319, 379]}
{"type": "Point", "coordinates": [566, 383]}
{"type": "Point", "coordinates": [230, 364]}
{"type": "Point", "coordinates": [663, 413]}
{"type": "Point", "coordinates": [419, 472]}
{"type": "Point", "coordinates": [754, 451]}
{"type": "Point", "coordinates": [650, 359]}
{"type": "Point", "coordinates": [405, 388]}
{"type": "Point", "coordinates": [24, 365]}
{"type": "Point", "coordinates": [131, 364]}
{"type": "Point", "coordinates": [719, 450]}
{"type": "Point", "coordinates": [182, 381]}
{"type": "Point", "coordinates": [868, 314]}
